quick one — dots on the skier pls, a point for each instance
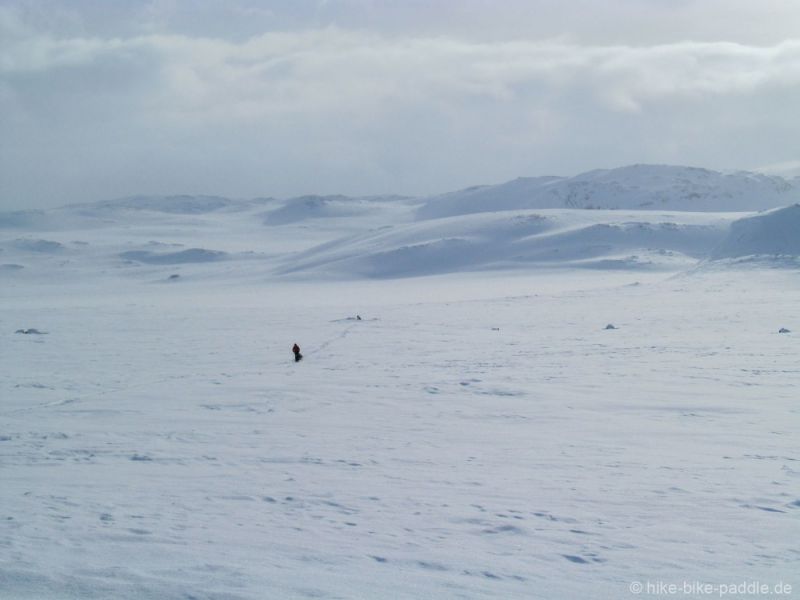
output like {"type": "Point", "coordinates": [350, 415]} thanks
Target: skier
{"type": "Point", "coordinates": [297, 356]}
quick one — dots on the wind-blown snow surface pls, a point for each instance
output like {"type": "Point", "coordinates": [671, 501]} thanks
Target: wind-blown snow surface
{"type": "Point", "coordinates": [774, 233]}
{"type": "Point", "coordinates": [471, 436]}
{"type": "Point", "coordinates": [520, 239]}
{"type": "Point", "coordinates": [478, 433]}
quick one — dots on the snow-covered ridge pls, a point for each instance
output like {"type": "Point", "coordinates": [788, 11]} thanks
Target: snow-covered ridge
{"type": "Point", "coordinates": [482, 228]}
{"type": "Point", "coordinates": [639, 187]}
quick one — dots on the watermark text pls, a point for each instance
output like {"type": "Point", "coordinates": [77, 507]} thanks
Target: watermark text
{"type": "Point", "coordinates": [731, 589]}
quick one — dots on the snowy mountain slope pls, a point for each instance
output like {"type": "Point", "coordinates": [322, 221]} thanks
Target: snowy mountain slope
{"type": "Point", "coordinates": [519, 239]}
{"type": "Point", "coordinates": [773, 233]}
{"type": "Point", "coordinates": [638, 187]}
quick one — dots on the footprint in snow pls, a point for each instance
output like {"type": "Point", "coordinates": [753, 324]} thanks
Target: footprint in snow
{"type": "Point", "coordinates": [431, 566]}
{"type": "Point", "coordinates": [504, 529]}
{"type": "Point", "coordinates": [582, 561]}
{"type": "Point", "coordinates": [764, 508]}
{"type": "Point", "coordinates": [379, 559]}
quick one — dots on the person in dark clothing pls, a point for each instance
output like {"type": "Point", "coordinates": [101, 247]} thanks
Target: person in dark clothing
{"type": "Point", "coordinates": [297, 356]}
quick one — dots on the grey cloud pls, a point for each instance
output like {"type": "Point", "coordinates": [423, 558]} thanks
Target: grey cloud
{"type": "Point", "coordinates": [338, 110]}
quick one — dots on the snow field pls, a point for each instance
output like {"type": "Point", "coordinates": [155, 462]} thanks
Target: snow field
{"type": "Point", "coordinates": [162, 444]}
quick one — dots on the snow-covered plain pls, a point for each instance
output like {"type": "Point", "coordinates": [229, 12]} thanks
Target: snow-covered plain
{"type": "Point", "coordinates": [478, 433]}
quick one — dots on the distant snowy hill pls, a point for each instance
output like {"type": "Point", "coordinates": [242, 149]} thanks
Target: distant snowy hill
{"type": "Point", "coordinates": [639, 187]}
{"type": "Point", "coordinates": [183, 204]}
{"type": "Point", "coordinates": [132, 209]}
{"type": "Point", "coordinates": [644, 218]}
{"type": "Point", "coordinates": [149, 209]}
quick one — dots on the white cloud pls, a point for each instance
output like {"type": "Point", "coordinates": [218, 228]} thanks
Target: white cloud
{"type": "Point", "coordinates": [333, 70]}
{"type": "Point", "coordinates": [790, 168]}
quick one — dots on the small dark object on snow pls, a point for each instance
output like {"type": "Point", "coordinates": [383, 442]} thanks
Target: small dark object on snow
{"type": "Point", "coordinates": [174, 277]}
{"type": "Point", "coordinates": [358, 317]}
{"type": "Point", "coordinates": [611, 326]}
{"type": "Point", "coordinates": [297, 356]}
{"type": "Point", "coordinates": [30, 331]}
{"type": "Point", "coordinates": [784, 330]}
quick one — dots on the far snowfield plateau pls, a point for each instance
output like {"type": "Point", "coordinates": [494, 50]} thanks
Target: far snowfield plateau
{"type": "Point", "coordinates": [478, 433]}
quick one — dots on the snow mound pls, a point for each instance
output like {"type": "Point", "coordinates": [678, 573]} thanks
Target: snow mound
{"type": "Point", "coordinates": [34, 245]}
{"type": "Point", "coordinates": [775, 233]}
{"type": "Point", "coordinates": [23, 219]}
{"type": "Point", "coordinates": [508, 240]}
{"type": "Point", "coordinates": [192, 255]}
{"type": "Point", "coordinates": [639, 187]}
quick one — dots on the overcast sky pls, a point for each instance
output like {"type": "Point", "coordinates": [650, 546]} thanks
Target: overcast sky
{"type": "Point", "coordinates": [101, 99]}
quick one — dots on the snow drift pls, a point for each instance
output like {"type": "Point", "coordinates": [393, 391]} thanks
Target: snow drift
{"type": "Point", "coordinates": [37, 245]}
{"type": "Point", "coordinates": [505, 240]}
{"type": "Point", "coordinates": [774, 233]}
{"type": "Point", "coordinates": [192, 255]}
